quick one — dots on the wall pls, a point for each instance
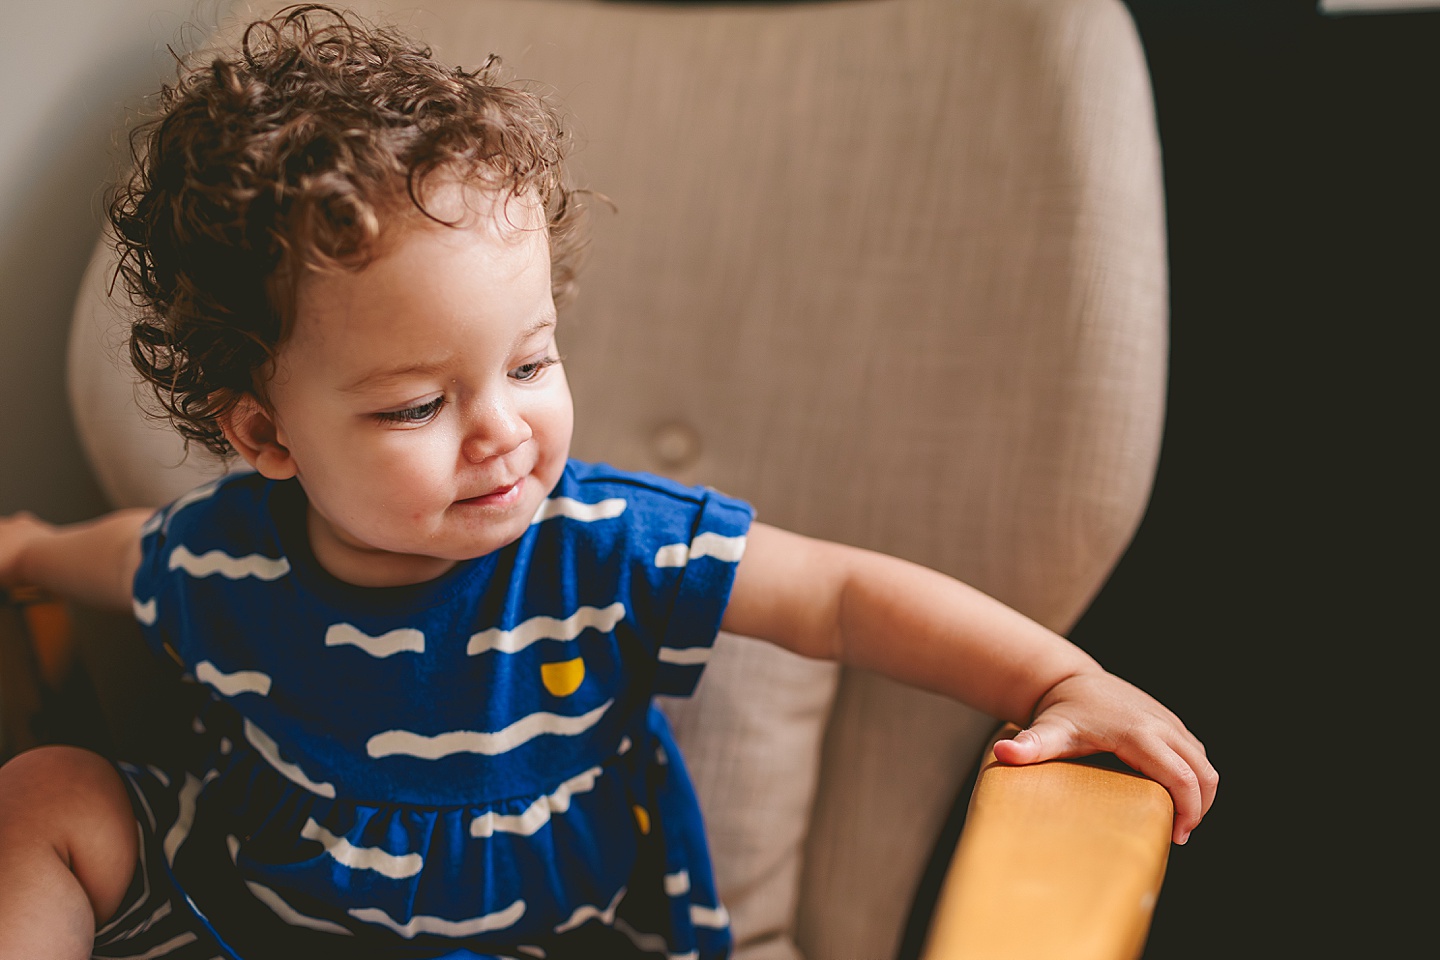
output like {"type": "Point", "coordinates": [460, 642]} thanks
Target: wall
{"type": "Point", "coordinates": [71, 70]}
{"type": "Point", "coordinates": [1274, 596]}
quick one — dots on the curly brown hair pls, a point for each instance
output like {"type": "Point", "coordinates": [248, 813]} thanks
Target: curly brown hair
{"type": "Point", "coordinates": [290, 155]}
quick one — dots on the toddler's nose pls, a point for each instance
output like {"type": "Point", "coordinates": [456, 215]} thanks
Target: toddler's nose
{"type": "Point", "coordinates": [493, 430]}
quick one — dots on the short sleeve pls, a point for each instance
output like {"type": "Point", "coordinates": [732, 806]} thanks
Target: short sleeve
{"type": "Point", "coordinates": [705, 563]}
{"type": "Point", "coordinates": [152, 592]}
{"type": "Point", "coordinates": [658, 555]}
{"type": "Point", "coordinates": [176, 545]}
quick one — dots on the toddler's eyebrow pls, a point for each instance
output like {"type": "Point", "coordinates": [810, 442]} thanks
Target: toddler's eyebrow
{"type": "Point", "coordinates": [425, 367]}
{"type": "Point", "coordinates": [374, 377]}
{"type": "Point", "coordinates": [545, 322]}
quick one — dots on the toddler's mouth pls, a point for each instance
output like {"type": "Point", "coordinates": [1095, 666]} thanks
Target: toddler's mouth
{"type": "Point", "coordinates": [497, 497]}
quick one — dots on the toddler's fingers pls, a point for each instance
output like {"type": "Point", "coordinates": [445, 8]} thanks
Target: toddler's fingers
{"type": "Point", "coordinates": [1180, 779]}
{"type": "Point", "coordinates": [1207, 780]}
{"type": "Point", "coordinates": [1189, 776]}
{"type": "Point", "coordinates": [1043, 741]}
{"type": "Point", "coordinates": [1182, 769]}
{"type": "Point", "coordinates": [1192, 751]}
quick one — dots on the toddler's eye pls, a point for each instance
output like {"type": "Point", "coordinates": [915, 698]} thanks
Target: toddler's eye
{"type": "Point", "coordinates": [530, 371]}
{"type": "Point", "coordinates": [420, 413]}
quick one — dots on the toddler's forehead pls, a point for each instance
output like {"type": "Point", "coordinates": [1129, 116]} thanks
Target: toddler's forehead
{"type": "Point", "coordinates": [421, 259]}
{"type": "Point", "coordinates": [512, 220]}
{"type": "Point", "coordinates": [451, 205]}
{"type": "Point", "coordinates": [470, 202]}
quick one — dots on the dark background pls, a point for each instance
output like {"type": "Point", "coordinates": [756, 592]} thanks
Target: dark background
{"type": "Point", "coordinates": [1272, 594]}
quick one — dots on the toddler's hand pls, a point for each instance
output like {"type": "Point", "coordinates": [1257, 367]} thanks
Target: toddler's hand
{"type": "Point", "coordinates": [1098, 712]}
{"type": "Point", "coordinates": [17, 532]}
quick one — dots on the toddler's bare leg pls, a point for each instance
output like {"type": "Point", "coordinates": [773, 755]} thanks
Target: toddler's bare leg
{"type": "Point", "coordinates": [68, 850]}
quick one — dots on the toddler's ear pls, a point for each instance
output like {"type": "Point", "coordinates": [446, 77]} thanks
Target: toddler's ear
{"type": "Point", "coordinates": [251, 430]}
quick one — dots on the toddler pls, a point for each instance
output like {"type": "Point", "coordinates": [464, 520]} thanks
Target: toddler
{"type": "Point", "coordinates": [429, 640]}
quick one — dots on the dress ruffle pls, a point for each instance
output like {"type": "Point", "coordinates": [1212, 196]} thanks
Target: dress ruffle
{"type": "Point", "coordinates": [263, 861]}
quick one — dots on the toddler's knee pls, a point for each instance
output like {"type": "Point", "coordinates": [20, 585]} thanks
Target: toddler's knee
{"type": "Point", "coordinates": [67, 803]}
{"type": "Point", "coordinates": [62, 784]}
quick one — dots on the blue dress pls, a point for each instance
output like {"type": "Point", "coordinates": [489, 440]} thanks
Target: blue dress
{"type": "Point", "coordinates": [471, 766]}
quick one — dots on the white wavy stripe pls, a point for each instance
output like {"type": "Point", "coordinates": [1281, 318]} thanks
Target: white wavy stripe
{"type": "Point", "coordinates": [152, 524]}
{"type": "Point", "coordinates": [527, 728]}
{"type": "Point", "coordinates": [536, 629]}
{"type": "Point", "coordinates": [672, 555]}
{"type": "Point", "coordinates": [577, 510]}
{"type": "Point", "coordinates": [692, 955]}
{"type": "Point", "coordinates": [538, 813]}
{"type": "Point", "coordinates": [685, 656]}
{"type": "Point", "coordinates": [161, 912]}
{"type": "Point", "coordinates": [232, 684]}
{"type": "Point", "coordinates": [439, 925]}
{"type": "Point", "coordinates": [713, 917]}
{"type": "Point", "coordinates": [289, 914]}
{"type": "Point", "coordinates": [394, 866]}
{"type": "Point", "coordinates": [648, 942]}
{"type": "Point", "coordinates": [729, 549]}
{"type": "Point", "coordinates": [164, 949]}
{"type": "Point", "coordinates": [404, 640]}
{"type": "Point", "coordinates": [270, 750]}
{"type": "Point", "coordinates": [133, 771]}
{"type": "Point", "coordinates": [202, 492]}
{"type": "Point", "coordinates": [588, 912]}
{"type": "Point", "coordinates": [677, 883]}
{"type": "Point", "coordinates": [231, 568]}
{"type": "Point", "coordinates": [146, 612]}
{"type": "Point", "coordinates": [184, 814]}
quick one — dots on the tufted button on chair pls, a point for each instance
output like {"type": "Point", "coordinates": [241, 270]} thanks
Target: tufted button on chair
{"type": "Point", "coordinates": [893, 271]}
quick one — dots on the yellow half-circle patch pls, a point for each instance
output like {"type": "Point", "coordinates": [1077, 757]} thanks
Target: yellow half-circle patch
{"type": "Point", "coordinates": [642, 818]}
{"type": "Point", "coordinates": [564, 678]}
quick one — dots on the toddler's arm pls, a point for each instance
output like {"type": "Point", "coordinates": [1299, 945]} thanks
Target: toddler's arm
{"type": "Point", "coordinates": [923, 628]}
{"type": "Point", "coordinates": [92, 562]}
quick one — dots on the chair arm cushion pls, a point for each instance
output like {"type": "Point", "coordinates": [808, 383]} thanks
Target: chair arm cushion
{"type": "Point", "coordinates": [1057, 861]}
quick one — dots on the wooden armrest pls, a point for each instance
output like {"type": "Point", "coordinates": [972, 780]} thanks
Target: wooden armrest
{"type": "Point", "coordinates": [37, 655]}
{"type": "Point", "coordinates": [1057, 861]}
{"type": "Point", "coordinates": [51, 631]}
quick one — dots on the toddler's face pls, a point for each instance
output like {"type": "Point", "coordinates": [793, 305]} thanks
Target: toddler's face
{"type": "Point", "coordinates": [421, 400]}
